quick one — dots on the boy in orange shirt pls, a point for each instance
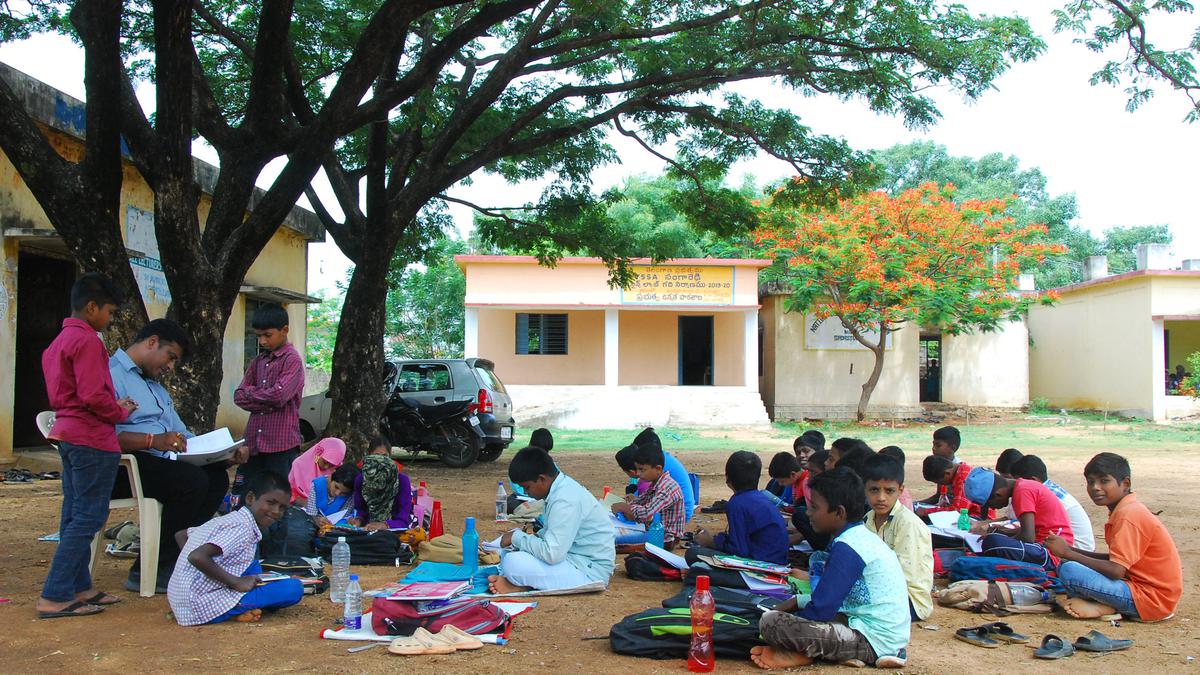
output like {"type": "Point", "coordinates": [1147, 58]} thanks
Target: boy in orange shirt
{"type": "Point", "coordinates": [1141, 576]}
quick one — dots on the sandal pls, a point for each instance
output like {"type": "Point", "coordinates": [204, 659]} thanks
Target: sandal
{"type": "Point", "coordinates": [457, 638]}
{"type": "Point", "coordinates": [717, 507]}
{"type": "Point", "coordinates": [999, 630]}
{"type": "Point", "coordinates": [977, 636]}
{"type": "Point", "coordinates": [1054, 647]}
{"type": "Point", "coordinates": [71, 610]}
{"type": "Point", "coordinates": [1095, 641]}
{"type": "Point", "coordinates": [111, 533]}
{"type": "Point", "coordinates": [102, 599]}
{"type": "Point", "coordinates": [420, 643]}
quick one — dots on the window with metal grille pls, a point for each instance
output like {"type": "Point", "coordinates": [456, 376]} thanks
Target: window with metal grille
{"type": "Point", "coordinates": [541, 333]}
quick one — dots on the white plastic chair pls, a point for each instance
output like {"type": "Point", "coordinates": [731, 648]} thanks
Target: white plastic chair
{"type": "Point", "coordinates": [149, 515]}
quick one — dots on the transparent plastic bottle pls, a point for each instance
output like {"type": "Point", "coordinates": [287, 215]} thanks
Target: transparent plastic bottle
{"type": "Point", "coordinates": [501, 502]}
{"type": "Point", "coordinates": [1024, 595]}
{"type": "Point", "coordinates": [701, 658]}
{"type": "Point", "coordinates": [340, 577]}
{"type": "Point", "coordinates": [470, 547]}
{"type": "Point", "coordinates": [352, 608]}
{"type": "Point", "coordinates": [655, 533]}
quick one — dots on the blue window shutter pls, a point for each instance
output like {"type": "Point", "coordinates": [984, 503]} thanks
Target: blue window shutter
{"type": "Point", "coordinates": [522, 333]}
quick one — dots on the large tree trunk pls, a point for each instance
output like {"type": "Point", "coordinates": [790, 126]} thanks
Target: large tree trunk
{"type": "Point", "coordinates": [868, 387]}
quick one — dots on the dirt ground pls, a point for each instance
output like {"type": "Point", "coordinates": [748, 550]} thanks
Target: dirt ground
{"type": "Point", "coordinates": [138, 635]}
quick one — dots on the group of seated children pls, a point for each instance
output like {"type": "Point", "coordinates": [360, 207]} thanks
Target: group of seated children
{"type": "Point", "coordinates": [376, 496]}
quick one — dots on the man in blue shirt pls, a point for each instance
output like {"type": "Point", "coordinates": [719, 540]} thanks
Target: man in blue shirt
{"type": "Point", "coordinates": [756, 529]}
{"type": "Point", "coordinates": [190, 494]}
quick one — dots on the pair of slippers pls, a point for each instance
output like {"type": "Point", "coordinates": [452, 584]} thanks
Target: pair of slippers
{"type": "Point", "coordinates": [990, 635]}
{"type": "Point", "coordinates": [448, 640]}
{"type": "Point", "coordinates": [1054, 647]}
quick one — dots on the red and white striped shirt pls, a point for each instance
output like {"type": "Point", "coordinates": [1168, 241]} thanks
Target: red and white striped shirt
{"type": "Point", "coordinates": [665, 497]}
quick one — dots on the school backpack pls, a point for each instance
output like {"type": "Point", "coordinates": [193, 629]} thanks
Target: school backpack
{"type": "Point", "coordinates": [293, 534]}
{"type": "Point", "coordinates": [970, 567]}
{"type": "Point", "coordinates": [742, 603]}
{"type": "Point", "coordinates": [310, 571]}
{"type": "Point", "coordinates": [998, 597]}
{"type": "Point", "coordinates": [943, 559]}
{"type": "Point", "coordinates": [404, 617]}
{"type": "Point", "coordinates": [641, 567]}
{"type": "Point", "coordinates": [377, 547]}
{"type": "Point", "coordinates": [666, 633]}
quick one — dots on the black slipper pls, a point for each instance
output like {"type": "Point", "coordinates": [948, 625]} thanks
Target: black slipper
{"type": "Point", "coordinates": [69, 610]}
{"type": "Point", "coordinates": [717, 507]}
{"type": "Point", "coordinates": [98, 598]}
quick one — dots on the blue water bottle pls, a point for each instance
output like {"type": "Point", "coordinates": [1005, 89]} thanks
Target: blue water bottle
{"type": "Point", "coordinates": [470, 547]}
{"type": "Point", "coordinates": [655, 534]}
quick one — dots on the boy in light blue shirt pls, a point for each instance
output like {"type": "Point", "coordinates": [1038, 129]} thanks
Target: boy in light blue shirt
{"type": "Point", "coordinates": [858, 611]}
{"type": "Point", "coordinates": [576, 545]}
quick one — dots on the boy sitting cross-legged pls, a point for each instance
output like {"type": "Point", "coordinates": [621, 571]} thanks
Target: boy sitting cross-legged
{"type": "Point", "coordinates": [1141, 576]}
{"type": "Point", "coordinates": [216, 575]}
{"type": "Point", "coordinates": [574, 548]}
{"type": "Point", "coordinates": [756, 529]}
{"type": "Point", "coordinates": [663, 497]}
{"type": "Point", "coordinates": [858, 613]}
{"type": "Point", "coordinates": [901, 530]}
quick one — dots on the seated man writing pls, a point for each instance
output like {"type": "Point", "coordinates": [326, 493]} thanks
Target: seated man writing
{"type": "Point", "coordinates": [576, 545]}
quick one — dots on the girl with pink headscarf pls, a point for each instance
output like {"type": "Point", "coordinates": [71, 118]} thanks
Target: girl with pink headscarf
{"type": "Point", "coordinates": [318, 461]}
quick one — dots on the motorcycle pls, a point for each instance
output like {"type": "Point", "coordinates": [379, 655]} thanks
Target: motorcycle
{"type": "Point", "coordinates": [450, 430]}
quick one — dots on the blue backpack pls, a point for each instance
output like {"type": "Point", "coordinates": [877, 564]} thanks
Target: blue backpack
{"type": "Point", "coordinates": [1001, 569]}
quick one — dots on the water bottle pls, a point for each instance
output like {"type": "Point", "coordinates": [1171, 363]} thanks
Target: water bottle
{"type": "Point", "coordinates": [352, 614]}
{"type": "Point", "coordinates": [341, 571]}
{"type": "Point", "coordinates": [501, 502]}
{"type": "Point", "coordinates": [1024, 595]}
{"type": "Point", "coordinates": [655, 533]}
{"type": "Point", "coordinates": [700, 655]}
{"type": "Point", "coordinates": [470, 547]}
{"type": "Point", "coordinates": [964, 520]}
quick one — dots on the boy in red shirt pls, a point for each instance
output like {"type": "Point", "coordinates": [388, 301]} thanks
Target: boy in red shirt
{"type": "Point", "coordinates": [86, 408]}
{"type": "Point", "coordinates": [1039, 514]}
{"type": "Point", "coordinates": [951, 494]}
{"type": "Point", "coordinates": [1141, 575]}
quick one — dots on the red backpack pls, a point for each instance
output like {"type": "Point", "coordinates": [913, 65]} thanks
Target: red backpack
{"type": "Point", "coordinates": [404, 617]}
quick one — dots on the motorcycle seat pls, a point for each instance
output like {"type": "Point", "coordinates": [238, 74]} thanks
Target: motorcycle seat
{"type": "Point", "coordinates": [437, 411]}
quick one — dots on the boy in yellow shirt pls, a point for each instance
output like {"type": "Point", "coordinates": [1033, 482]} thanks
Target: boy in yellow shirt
{"type": "Point", "coordinates": [901, 530]}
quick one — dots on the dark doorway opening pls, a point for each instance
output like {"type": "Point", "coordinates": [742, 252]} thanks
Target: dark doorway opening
{"type": "Point", "coordinates": [930, 363]}
{"type": "Point", "coordinates": [43, 301]}
{"type": "Point", "coordinates": [695, 350]}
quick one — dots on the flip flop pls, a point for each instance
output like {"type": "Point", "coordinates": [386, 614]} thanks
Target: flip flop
{"type": "Point", "coordinates": [1095, 641]}
{"type": "Point", "coordinates": [70, 610]}
{"type": "Point", "coordinates": [1054, 647]}
{"type": "Point", "coordinates": [999, 630]}
{"type": "Point", "coordinates": [102, 599]}
{"type": "Point", "coordinates": [717, 507]}
{"type": "Point", "coordinates": [458, 638]}
{"type": "Point", "coordinates": [977, 636]}
{"type": "Point", "coordinates": [420, 643]}
{"type": "Point", "coordinates": [111, 533]}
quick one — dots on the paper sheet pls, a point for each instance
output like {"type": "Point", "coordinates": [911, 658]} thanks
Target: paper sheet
{"type": "Point", "coordinates": [666, 556]}
{"type": "Point", "coordinates": [944, 519]}
{"type": "Point", "coordinates": [493, 545]}
{"type": "Point", "coordinates": [974, 541]}
{"type": "Point", "coordinates": [626, 525]}
{"type": "Point", "coordinates": [215, 446]}
{"type": "Point", "coordinates": [338, 517]}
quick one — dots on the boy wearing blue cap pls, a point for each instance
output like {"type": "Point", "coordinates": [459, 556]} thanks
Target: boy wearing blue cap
{"type": "Point", "coordinates": [1039, 514]}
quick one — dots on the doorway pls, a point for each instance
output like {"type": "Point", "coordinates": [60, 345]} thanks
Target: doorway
{"type": "Point", "coordinates": [695, 351]}
{"type": "Point", "coordinates": [43, 301]}
{"type": "Point", "coordinates": [930, 364]}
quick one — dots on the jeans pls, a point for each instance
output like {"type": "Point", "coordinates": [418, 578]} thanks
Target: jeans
{"type": "Point", "coordinates": [189, 494]}
{"type": "Point", "coordinates": [87, 480]}
{"type": "Point", "coordinates": [275, 595]}
{"type": "Point", "coordinates": [1009, 548]}
{"type": "Point", "coordinates": [279, 462]}
{"type": "Point", "coordinates": [1082, 581]}
{"type": "Point", "coordinates": [523, 569]}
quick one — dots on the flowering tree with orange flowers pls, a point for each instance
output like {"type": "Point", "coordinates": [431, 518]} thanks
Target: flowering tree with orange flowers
{"type": "Point", "coordinates": [877, 261]}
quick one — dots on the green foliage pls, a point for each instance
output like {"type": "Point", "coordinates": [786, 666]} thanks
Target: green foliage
{"type": "Point", "coordinates": [321, 331]}
{"type": "Point", "coordinates": [425, 303]}
{"type": "Point", "coordinates": [1191, 382]}
{"type": "Point", "coordinates": [1040, 406]}
{"type": "Point", "coordinates": [1120, 244]}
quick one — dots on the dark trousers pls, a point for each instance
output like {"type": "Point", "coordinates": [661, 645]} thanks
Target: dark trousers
{"type": "Point", "coordinates": [279, 462]}
{"type": "Point", "coordinates": [189, 494]}
{"type": "Point", "coordinates": [87, 479]}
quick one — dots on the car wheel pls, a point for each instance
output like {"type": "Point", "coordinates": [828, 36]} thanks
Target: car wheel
{"type": "Point", "coordinates": [462, 447]}
{"type": "Point", "coordinates": [306, 432]}
{"type": "Point", "coordinates": [491, 452]}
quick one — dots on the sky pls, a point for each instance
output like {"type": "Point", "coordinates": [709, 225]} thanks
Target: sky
{"type": "Point", "coordinates": [1124, 168]}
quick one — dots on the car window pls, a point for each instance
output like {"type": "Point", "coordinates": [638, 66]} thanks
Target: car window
{"type": "Point", "coordinates": [424, 377]}
{"type": "Point", "coordinates": [490, 380]}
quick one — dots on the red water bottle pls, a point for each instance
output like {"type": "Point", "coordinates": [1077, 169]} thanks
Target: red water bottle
{"type": "Point", "coordinates": [435, 521]}
{"type": "Point", "coordinates": [607, 489]}
{"type": "Point", "coordinates": [700, 655]}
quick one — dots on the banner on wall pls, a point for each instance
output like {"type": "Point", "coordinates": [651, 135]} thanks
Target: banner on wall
{"type": "Point", "coordinates": [830, 334]}
{"type": "Point", "coordinates": [679, 285]}
{"type": "Point", "coordinates": [147, 268]}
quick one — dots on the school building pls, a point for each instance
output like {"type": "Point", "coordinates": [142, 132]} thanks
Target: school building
{"type": "Point", "coordinates": [678, 347]}
{"type": "Point", "coordinates": [1111, 341]}
{"type": "Point", "coordinates": [36, 271]}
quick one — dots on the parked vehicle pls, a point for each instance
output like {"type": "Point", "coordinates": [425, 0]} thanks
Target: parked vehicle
{"type": "Point", "coordinates": [426, 385]}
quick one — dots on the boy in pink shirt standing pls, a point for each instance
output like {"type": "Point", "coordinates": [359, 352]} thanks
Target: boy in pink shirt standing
{"type": "Point", "coordinates": [86, 408]}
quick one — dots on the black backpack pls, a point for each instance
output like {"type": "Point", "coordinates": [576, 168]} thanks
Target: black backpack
{"type": "Point", "coordinates": [378, 547]}
{"type": "Point", "coordinates": [292, 535]}
{"type": "Point", "coordinates": [728, 600]}
{"type": "Point", "coordinates": [311, 575]}
{"type": "Point", "coordinates": [666, 633]}
{"type": "Point", "coordinates": [641, 567]}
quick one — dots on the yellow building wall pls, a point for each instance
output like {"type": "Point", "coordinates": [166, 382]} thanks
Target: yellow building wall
{"type": "Point", "coordinates": [987, 369]}
{"type": "Point", "coordinates": [283, 263]}
{"type": "Point", "coordinates": [649, 348]}
{"type": "Point", "coordinates": [729, 352]}
{"type": "Point", "coordinates": [582, 364]}
{"type": "Point", "coordinates": [1093, 349]}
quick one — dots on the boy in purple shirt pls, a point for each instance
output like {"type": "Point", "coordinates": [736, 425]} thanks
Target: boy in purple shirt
{"type": "Point", "coordinates": [86, 409]}
{"type": "Point", "coordinates": [756, 530]}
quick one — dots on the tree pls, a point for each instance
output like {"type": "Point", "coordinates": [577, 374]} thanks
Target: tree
{"type": "Point", "coordinates": [877, 262]}
{"type": "Point", "coordinates": [425, 304]}
{"type": "Point", "coordinates": [1120, 244]}
{"type": "Point", "coordinates": [322, 330]}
